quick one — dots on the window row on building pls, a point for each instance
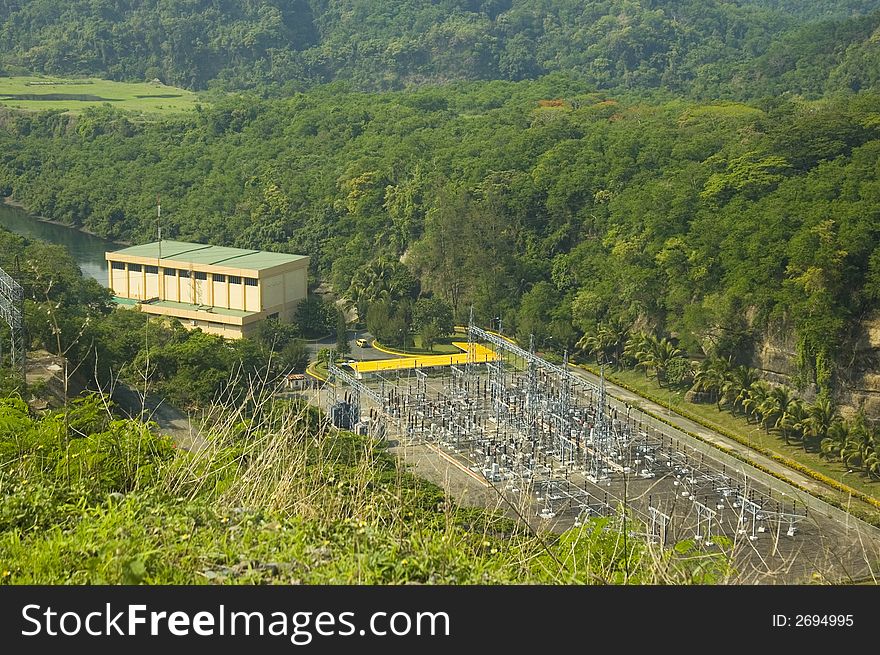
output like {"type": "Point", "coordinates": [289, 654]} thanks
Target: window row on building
{"type": "Point", "coordinates": [198, 275]}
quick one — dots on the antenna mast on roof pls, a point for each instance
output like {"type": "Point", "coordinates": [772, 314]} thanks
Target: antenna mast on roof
{"type": "Point", "coordinates": [159, 223]}
{"type": "Point", "coordinates": [160, 279]}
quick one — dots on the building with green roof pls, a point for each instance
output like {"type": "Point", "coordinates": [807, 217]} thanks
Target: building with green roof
{"type": "Point", "coordinates": [225, 291]}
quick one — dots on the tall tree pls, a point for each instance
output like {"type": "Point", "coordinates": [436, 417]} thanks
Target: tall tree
{"type": "Point", "coordinates": [342, 345]}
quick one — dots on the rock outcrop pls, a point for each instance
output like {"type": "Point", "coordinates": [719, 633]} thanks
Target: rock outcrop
{"type": "Point", "coordinates": [857, 374]}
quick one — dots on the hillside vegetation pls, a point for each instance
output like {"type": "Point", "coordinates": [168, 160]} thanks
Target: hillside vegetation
{"type": "Point", "coordinates": [277, 498]}
{"type": "Point", "coordinates": [539, 202]}
{"type": "Point", "coordinates": [742, 49]}
{"type": "Point", "coordinates": [653, 184]}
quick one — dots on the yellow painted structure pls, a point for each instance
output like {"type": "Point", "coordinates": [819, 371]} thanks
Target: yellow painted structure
{"type": "Point", "coordinates": [481, 354]}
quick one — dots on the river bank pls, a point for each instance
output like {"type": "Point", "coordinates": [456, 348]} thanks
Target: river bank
{"type": "Point", "coordinates": [9, 202]}
{"type": "Point", "coordinates": [87, 249]}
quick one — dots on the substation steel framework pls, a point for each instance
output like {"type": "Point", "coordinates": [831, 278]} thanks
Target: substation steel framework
{"type": "Point", "coordinates": [12, 311]}
{"type": "Point", "coordinates": [557, 437]}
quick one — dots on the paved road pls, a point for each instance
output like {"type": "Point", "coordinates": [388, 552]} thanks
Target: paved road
{"type": "Point", "coordinates": [357, 353]}
{"type": "Point", "coordinates": [170, 419]}
{"type": "Point", "coordinates": [630, 398]}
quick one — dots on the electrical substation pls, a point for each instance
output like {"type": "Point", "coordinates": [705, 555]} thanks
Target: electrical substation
{"type": "Point", "coordinates": [553, 444]}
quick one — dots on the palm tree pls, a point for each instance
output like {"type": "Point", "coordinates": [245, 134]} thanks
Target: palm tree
{"type": "Point", "coordinates": [859, 443]}
{"type": "Point", "coordinates": [794, 420]}
{"type": "Point", "coordinates": [783, 400]}
{"type": "Point", "coordinates": [756, 398]}
{"type": "Point", "coordinates": [833, 445]}
{"type": "Point", "coordinates": [606, 341]}
{"type": "Point", "coordinates": [373, 283]}
{"type": "Point", "coordinates": [637, 347]}
{"type": "Point", "coordinates": [374, 277]}
{"type": "Point", "coordinates": [737, 386]}
{"type": "Point", "coordinates": [658, 356]}
{"type": "Point", "coordinates": [618, 333]}
{"type": "Point", "coordinates": [821, 415]}
{"type": "Point", "coordinates": [872, 457]}
{"type": "Point", "coordinates": [710, 376]}
{"type": "Point", "coordinates": [596, 343]}
{"type": "Point", "coordinates": [357, 297]}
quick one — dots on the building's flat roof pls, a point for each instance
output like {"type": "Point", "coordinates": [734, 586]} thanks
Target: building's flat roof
{"type": "Point", "coordinates": [199, 253]}
{"type": "Point", "coordinates": [170, 304]}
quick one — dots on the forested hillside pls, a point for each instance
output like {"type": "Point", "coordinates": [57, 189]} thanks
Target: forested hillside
{"type": "Point", "coordinates": [684, 191]}
{"type": "Point", "coordinates": [552, 207]}
{"type": "Point", "coordinates": [705, 170]}
{"type": "Point", "coordinates": [710, 48]}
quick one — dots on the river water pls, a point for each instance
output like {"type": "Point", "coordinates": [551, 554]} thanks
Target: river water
{"type": "Point", "coordinates": [87, 250]}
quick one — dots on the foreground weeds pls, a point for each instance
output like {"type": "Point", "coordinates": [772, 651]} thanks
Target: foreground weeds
{"type": "Point", "coordinates": [276, 496]}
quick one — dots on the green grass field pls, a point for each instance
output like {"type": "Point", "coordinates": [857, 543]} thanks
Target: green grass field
{"type": "Point", "coordinates": [75, 95]}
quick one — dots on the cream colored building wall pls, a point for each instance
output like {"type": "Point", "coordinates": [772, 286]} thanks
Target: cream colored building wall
{"type": "Point", "coordinates": [186, 294]}
{"type": "Point", "coordinates": [282, 293]}
{"type": "Point", "coordinates": [171, 288]}
{"type": "Point", "coordinates": [296, 285]}
{"type": "Point", "coordinates": [297, 288]}
{"type": "Point", "coordinates": [272, 289]}
{"type": "Point", "coordinates": [136, 284]}
{"type": "Point", "coordinates": [221, 298]}
{"type": "Point", "coordinates": [228, 331]}
{"type": "Point", "coordinates": [202, 291]}
{"type": "Point", "coordinates": [219, 327]}
{"type": "Point", "coordinates": [118, 282]}
{"type": "Point", "coordinates": [236, 296]}
{"type": "Point", "coordinates": [152, 289]}
{"type": "Point", "coordinates": [252, 295]}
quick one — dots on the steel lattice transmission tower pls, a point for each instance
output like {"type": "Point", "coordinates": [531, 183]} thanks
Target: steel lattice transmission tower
{"type": "Point", "coordinates": [12, 311]}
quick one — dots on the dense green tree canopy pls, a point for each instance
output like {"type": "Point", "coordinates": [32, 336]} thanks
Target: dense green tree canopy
{"type": "Point", "coordinates": [539, 202]}
{"type": "Point", "coordinates": [713, 47]}
{"type": "Point", "coordinates": [580, 196]}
